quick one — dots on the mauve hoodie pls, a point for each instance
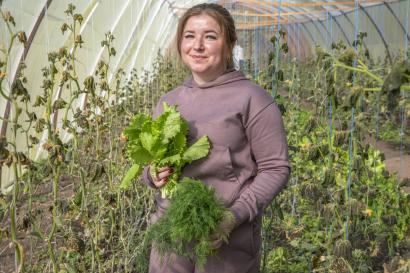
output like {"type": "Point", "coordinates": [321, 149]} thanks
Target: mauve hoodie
{"type": "Point", "coordinates": [248, 162]}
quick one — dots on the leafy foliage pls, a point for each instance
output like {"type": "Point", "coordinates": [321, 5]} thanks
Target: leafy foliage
{"type": "Point", "coordinates": [317, 223]}
{"type": "Point", "coordinates": [162, 142]}
{"type": "Point", "coordinates": [186, 226]}
{"type": "Point", "coordinates": [398, 76]}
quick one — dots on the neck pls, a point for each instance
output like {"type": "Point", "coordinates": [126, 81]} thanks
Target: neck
{"type": "Point", "coordinates": [201, 79]}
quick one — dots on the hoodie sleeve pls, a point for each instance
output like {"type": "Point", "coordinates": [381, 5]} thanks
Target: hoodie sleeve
{"type": "Point", "coordinates": [146, 176]}
{"type": "Point", "coordinates": [266, 134]}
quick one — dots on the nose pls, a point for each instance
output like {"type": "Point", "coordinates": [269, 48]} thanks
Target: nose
{"type": "Point", "coordinates": [198, 44]}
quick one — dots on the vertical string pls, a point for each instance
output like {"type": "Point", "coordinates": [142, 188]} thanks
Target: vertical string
{"type": "Point", "coordinates": [356, 31]}
{"type": "Point", "coordinates": [146, 88]}
{"type": "Point", "coordinates": [246, 44]}
{"type": "Point", "coordinates": [253, 35]}
{"type": "Point", "coordinates": [329, 45]}
{"type": "Point", "coordinates": [298, 39]}
{"type": "Point", "coordinates": [260, 29]}
{"type": "Point", "coordinates": [275, 76]}
{"type": "Point", "coordinates": [294, 31]}
{"type": "Point", "coordinates": [330, 118]}
{"type": "Point", "coordinates": [47, 47]}
{"type": "Point", "coordinates": [289, 30]}
{"type": "Point", "coordinates": [327, 32]}
{"type": "Point", "coordinates": [349, 179]}
{"type": "Point", "coordinates": [84, 102]}
{"type": "Point", "coordinates": [294, 196]}
{"type": "Point", "coordinates": [406, 41]}
{"type": "Point", "coordinates": [331, 28]}
{"type": "Point", "coordinates": [254, 46]}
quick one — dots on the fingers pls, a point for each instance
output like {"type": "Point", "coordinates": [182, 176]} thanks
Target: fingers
{"type": "Point", "coordinates": [163, 173]}
{"type": "Point", "coordinates": [164, 169]}
{"type": "Point", "coordinates": [160, 183]}
{"type": "Point", "coordinates": [160, 178]}
{"type": "Point", "coordinates": [215, 244]}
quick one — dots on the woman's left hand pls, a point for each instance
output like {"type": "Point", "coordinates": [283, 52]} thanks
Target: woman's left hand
{"type": "Point", "coordinates": [225, 228]}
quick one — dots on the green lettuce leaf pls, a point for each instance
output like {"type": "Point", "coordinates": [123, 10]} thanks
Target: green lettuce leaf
{"type": "Point", "coordinates": [172, 125]}
{"type": "Point", "coordinates": [138, 154]}
{"type": "Point", "coordinates": [198, 150]}
{"type": "Point", "coordinates": [162, 142]}
{"type": "Point", "coordinates": [131, 173]}
{"type": "Point", "coordinates": [149, 142]}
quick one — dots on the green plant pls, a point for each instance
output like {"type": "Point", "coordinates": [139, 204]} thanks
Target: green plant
{"type": "Point", "coordinates": [186, 226]}
{"type": "Point", "coordinates": [161, 142]}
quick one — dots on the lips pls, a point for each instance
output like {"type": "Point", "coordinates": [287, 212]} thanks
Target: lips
{"type": "Point", "coordinates": [198, 57]}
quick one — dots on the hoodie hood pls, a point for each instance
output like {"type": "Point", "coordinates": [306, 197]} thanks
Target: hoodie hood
{"type": "Point", "coordinates": [228, 77]}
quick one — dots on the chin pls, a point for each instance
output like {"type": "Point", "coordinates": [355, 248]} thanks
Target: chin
{"type": "Point", "coordinates": [200, 69]}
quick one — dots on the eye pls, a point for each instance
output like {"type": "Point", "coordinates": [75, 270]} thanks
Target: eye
{"type": "Point", "coordinates": [210, 37]}
{"type": "Point", "coordinates": [189, 36]}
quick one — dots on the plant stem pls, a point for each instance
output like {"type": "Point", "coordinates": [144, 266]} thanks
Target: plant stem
{"type": "Point", "coordinates": [365, 71]}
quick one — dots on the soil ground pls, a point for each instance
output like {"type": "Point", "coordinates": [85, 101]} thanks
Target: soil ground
{"type": "Point", "coordinates": [396, 161]}
{"type": "Point", "coordinates": [42, 201]}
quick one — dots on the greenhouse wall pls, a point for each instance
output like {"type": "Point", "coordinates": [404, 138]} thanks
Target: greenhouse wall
{"type": "Point", "coordinates": [385, 24]}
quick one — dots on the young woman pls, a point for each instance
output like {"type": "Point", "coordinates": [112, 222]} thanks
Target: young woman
{"type": "Point", "coordinates": [248, 162]}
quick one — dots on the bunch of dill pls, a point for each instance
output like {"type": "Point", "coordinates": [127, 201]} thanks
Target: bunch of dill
{"type": "Point", "coordinates": [186, 226]}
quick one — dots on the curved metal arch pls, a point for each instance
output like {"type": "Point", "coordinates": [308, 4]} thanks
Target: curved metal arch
{"type": "Point", "coordinates": [337, 23]}
{"type": "Point", "coordinates": [155, 9]}
{"type": "Point", "coordinates": [264, 10]}
{"type": "Point", "coordinates": [308, 32]}
{"type": "Point", "coordinates": [294, 39]}
{"type": "Point", "coordinates": [23, 57]}
{"type": "Point", "coordinates": [290, 36]}
{"type": "Point", "coordinates": [340, 27]}
{"type": "Point", "coordinates": [351, 24]}
{"type": "Point", "coordinates": [372, 21]}
{"type": "Point", "coordinates": [343, 32]}
{"type": "Point", "coordinates": [325, 28]}
{"type": "Point", "coordinates": [309, 19]}
{"type": "Point", "coordinates": [133, 29]}
{"type": "Point", "coordinates": [94, 5]}
{"type": "Point", "coordinates": [378, 31]}
{"type": "Point", "coordinates": [397, 19]}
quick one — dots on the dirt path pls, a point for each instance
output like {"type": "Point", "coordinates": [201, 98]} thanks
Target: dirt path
{"type": "Point", "coordinates": [396, 161]}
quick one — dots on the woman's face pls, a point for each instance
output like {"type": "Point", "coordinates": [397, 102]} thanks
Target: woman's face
{"type": "Point", "coordinates": [202, 48]}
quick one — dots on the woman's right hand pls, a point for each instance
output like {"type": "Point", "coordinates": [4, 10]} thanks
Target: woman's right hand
{"type": "Point", "coordinates": [160, 178]}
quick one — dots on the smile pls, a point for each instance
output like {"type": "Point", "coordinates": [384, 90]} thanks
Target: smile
{"type": "Point", "coordinates": [198, 57]}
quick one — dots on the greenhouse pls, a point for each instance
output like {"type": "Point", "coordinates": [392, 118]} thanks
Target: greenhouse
{"type": "Point", "coordinates": [122, 146]}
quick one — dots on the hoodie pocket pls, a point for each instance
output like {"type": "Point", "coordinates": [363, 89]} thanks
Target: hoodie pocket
{"type": "Point", "coordinates": [217, 171]}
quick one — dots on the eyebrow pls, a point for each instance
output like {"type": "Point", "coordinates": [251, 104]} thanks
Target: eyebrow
{"type": "Point", "coordinates": [206, 31]}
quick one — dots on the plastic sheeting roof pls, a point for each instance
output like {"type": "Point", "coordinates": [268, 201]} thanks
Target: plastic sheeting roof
{"type": "Point", "coordinates": [301, 11]}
